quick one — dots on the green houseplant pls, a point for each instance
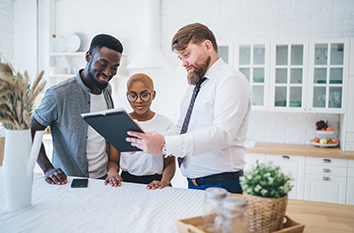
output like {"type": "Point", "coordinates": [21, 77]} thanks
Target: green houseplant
{"type": "Point", "coordinates": [266, 187]}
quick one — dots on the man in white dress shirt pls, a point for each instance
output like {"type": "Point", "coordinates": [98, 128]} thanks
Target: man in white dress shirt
{"type": "Point", "coordinates": [212, 149]}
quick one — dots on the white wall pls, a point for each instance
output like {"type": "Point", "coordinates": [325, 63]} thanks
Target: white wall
{"type": "Point", "coordinates": [230, 20]}
{"type": "Point", "coordinates": [25, 37]}
{"type": "Point", "coordinates": [7, 30]}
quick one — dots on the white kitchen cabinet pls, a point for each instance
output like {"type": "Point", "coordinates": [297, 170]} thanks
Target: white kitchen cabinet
{"type": "Point", "coordinates": [252, 59]}
{"type": "Point", "coordinates": [351, 66]}
{"type": "Point", "coordinates": [347, 120]}
{"type": "Point", "coordinates": [325, 188]}
{"type": "Point", "coordinates": [295, 166]}
{"type": "Point", "coordinates": [289, 72]}
{"type": "Point", "coordinates": [328, 75]}
{"type": "Point", "coordinates": [296, 75]}
{"type": "Point", "coordinates": [350, 105]}
{"type": "Point", "coordinates": [251, 159]}
{"type": "Point", "coordinates": [350, 183]}
{"type": "Point", "coordinates": [226, 52]}
{"type": "Point", "coordinates": [325, 179]}
{"type": "Point", "coordinates": [290, 164]}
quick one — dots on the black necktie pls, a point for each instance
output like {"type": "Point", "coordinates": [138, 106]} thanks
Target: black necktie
{"type": "Point", "coordinates": [189, 113]}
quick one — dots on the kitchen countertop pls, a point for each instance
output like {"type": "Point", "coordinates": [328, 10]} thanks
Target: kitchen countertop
{"type": "Point", "coordinates": [297, 149]}
{"type": "Point", "coordinates": [321, 217]}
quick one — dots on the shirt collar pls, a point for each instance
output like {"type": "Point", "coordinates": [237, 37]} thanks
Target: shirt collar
{"type": "Point", "coordinates": [80, 82]}
{"type": "Point", "coordinates": [215, 68]}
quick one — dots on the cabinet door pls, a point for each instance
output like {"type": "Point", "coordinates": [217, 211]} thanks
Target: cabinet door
{"type": "Point", "coordinates": [325, 188]}
{"type": "Point", "coordinates": [295, 166]}
{"type": "Point", "coordinates": [288, 87]}
{"type": "Point", "coordinates": [328, 75]}
{"type": "Point", "coordinates": [251, 159]}
{"type": "Point", "coordinates": [226, 52]}
{"type": "Point", "coordinates": [350, 186]}
{"type": "Point", "coordinates": [252, 59]}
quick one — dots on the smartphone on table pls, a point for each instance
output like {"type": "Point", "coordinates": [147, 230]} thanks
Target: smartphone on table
{"type": "Point", "coordinates": [79, 183]}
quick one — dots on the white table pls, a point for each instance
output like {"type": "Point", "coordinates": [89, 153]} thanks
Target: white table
{"type": "Point", "coordinates": [99, 208]}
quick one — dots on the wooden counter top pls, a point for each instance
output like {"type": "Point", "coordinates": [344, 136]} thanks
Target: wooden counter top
{"type": "Point", "coordinates": [295, 149]}
{"type": "Point", "coordinates": [320, 216]}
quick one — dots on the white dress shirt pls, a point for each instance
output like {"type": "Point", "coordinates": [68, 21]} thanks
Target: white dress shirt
{"type": "Point", "coordinates": [214, 142]}
{"type": "Point", "coordinates": [141, 163]}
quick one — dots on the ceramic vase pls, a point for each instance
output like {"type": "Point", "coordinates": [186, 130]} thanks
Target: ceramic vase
{"type": "Point", "coordinates": [20, 156]}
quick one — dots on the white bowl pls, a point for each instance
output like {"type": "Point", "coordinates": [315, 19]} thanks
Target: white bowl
{"type": "Point", "coordinates": [324, 145]}
{"type": "Point", "coordinates": [324, 132]}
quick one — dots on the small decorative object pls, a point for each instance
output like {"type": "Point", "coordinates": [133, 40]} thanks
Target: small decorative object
{"type": "Point", "coordinates": [323, 136]}
{"type": "Point", "coordinates": [233, 217]}
{"type": "Point", "coordinates": [321, 125]}
{"type": "Point", "coordinates": [212, 206]}
{"type": "Point", "coordinates": [16, 99]}
{"type": "Point", "coordinates": [266, 191]}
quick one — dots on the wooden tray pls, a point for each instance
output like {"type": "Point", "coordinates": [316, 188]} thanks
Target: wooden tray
{"type": "Point", "coordinates": [194, 225]}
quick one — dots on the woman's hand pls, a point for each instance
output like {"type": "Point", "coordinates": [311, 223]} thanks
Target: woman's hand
{"type": "Point", "coordinates": [157, 184]}
{"type": "Point", "coordinates": [113, 178]}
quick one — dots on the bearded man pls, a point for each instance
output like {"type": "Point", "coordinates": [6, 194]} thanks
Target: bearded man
{"type": "Point", "coordinates": [214, 117]}
{"type": "Point", "coordinates": [78, 150]}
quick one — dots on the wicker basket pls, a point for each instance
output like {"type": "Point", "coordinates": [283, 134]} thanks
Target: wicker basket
{"type": "Point", "coordinates": [265, 214]}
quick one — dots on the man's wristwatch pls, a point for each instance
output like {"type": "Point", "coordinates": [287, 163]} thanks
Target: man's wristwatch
{"type": "Point", "coordinates": [164, 150]}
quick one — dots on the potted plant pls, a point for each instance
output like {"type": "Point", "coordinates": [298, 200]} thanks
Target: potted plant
{"type": "Point", "coordinates": [20, 155]}
{"type": "Point", "coordinates": [266, 189]}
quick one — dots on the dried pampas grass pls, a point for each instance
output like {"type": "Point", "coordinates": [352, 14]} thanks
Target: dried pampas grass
{"type": "Point", "coordinates": [16, 97]}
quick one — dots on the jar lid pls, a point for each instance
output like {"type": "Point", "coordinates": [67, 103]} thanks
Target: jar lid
{"type": "Point", "coordinates": [234, 203]}
{"type": "Point", "coordinates": [215, 193]}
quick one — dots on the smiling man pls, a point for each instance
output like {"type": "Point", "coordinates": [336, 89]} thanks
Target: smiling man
{"type": "Point", "coordinates": [214, 116]}
{"type": "Point", "coordinates": [78, 150]}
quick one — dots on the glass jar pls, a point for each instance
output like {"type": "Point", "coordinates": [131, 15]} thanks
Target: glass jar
{"type": "Point", "coordinates": [233, 217]}
{"type": "Point", "coordinates": [212, 205]}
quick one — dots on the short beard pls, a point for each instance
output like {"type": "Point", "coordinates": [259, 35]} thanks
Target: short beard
{"type": "Point", "coordinates": [199, 71]}
{"type": "Point", "coordinates": [97, 84]}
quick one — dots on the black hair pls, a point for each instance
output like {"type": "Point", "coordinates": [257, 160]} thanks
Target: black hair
{"type": "Point", "coordinates": [104, 40]}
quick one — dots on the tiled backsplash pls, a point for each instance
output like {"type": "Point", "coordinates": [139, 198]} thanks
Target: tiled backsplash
{"type": "Point", "coordinates": [289, 128]}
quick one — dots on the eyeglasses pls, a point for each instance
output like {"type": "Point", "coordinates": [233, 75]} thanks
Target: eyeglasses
{"type": "Point", "coordinates": [145, 97]}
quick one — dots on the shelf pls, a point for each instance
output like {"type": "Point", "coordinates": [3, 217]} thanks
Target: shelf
{"type": "Point", "coordinates": [67, 54]}
{"type": "Point", "coordinates": [62, 75]}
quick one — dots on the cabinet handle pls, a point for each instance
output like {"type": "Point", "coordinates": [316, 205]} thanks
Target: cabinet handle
{"type": "Point", "coordinates": [326, 178]}
{"type": "Point", "coordinates": [326, 170]}
{"type": "Point", "coordinates": [285, 157]}
{"type": "Point", "coordinates": [326, 161]}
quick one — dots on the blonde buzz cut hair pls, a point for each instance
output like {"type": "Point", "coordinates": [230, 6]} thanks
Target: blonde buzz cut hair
{"type": "Point", "coordinates": [142, 78]}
